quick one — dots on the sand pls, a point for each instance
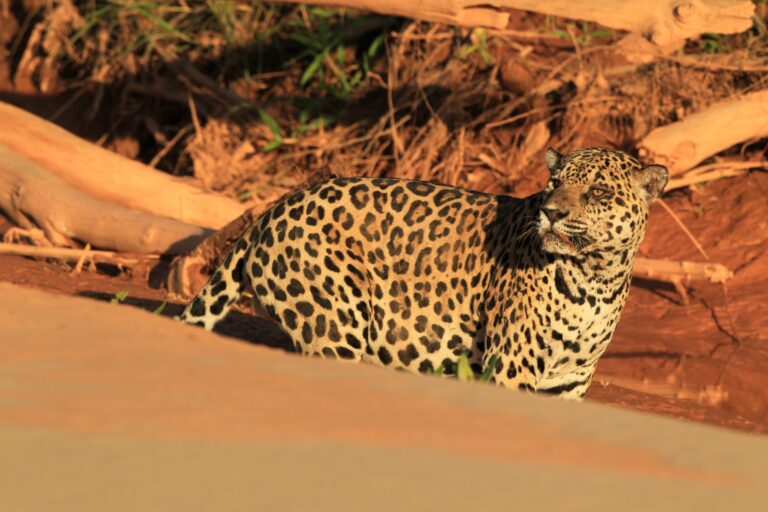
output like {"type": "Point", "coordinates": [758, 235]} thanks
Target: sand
{"type": "Point", "coordinates": [107, 407]}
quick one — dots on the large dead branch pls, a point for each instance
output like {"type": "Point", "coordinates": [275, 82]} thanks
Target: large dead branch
{"type": "Point", "coordinates": [711, 172]}
{"type": "Point", "coordinates": [109, 176]}
{"type": "Point", "coordinates": [665, 270]}
{"type": "Point", "coordinates": [66, 254]}
{"type": "Point", "coordinates": [680, 273]}
{"type": "Point", "coordinates": [663, 22]}
{"type": "Point", "coordinates": [684, 144]}
{"type": "Point", "coordinates": [34, 198]}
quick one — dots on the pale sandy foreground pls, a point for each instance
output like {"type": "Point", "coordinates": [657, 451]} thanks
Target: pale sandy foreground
{"type": "Point", "coordinates": [109, 408]}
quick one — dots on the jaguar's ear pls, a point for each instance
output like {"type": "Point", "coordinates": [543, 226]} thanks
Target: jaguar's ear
{"type": "Point", "coordinates": [652, 180]}
{"type": "Point", "coordinates": [554, 160]}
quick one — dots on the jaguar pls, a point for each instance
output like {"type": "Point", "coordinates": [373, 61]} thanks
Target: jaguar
{"type": "Point", "coordinates": [415, 275]}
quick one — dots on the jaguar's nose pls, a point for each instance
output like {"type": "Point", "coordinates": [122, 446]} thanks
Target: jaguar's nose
{"type": "Point", "coordinates": [554, 213]}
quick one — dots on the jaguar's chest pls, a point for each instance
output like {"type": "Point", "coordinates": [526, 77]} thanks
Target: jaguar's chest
{"type": "Point", "coordinates": [569, 315]}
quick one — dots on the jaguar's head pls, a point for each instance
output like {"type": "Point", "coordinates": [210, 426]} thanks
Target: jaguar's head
{"type": "Point", "coordinates": [597, 200]}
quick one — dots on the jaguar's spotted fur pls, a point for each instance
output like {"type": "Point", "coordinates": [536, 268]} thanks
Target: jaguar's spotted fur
{"type": "Point", "coordinates": [411, 275]}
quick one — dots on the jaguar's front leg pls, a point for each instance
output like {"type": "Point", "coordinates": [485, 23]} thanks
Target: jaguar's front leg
{"type": "Point", "coordinates": [515, 364]}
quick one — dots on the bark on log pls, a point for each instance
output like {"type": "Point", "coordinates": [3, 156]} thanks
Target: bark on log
{"type": "Point", "coordinates": [665, 270]}
{"type": "Point", "coordinates": [664, 22]}
{"type": "Point", "coordinates": [680, 273]}
{"type": "Point", "coordinates": [65, 254]}
{"type": "Point", "coordinates": [109, 176]}
{"type": "Point", "coordinates": [682, 145]}
{"type": "Point", "coordinates": [32, 197]}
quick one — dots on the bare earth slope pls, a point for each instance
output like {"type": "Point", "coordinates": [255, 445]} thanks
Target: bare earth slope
{"type": "Point", "coordinates": [107, 407]}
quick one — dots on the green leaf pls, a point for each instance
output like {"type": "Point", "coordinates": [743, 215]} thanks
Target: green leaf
{"type": "Point", "coordinates": [440, 371]}
{"type": "Point", "coordinates": [488, 372]}
{"type": "Point", "coordinates": [356, 78]}
{"type": "Point", "coordinates": [308, 41]}
{"type": "Point", "coordinates": [602, 33]}
{"type": "Point", "coordinates": [312, 69]}
{"type": "Point", "coordinates": [469, 50]}
{"type": "Point", "coordinates": [463, 370]}
{"type": "Point", "coordinates": [271, 123]}
{"type": "Point", "coordinates": [322, 12]}
{"type": "Point", "coordinates": [560, 33]}
{"type": "Point", "coordinates": [119, 297]}
{"type": "Point", "coordinates": [487, 59]}
{"type": "Point", "coordinates": [373, 49]}
{"type": "Point", "coordinates": [343, 79]}
{"type": "Point", "coordinates": [160, 308]}
{"type": "Point", "coordinates": [272, 145]}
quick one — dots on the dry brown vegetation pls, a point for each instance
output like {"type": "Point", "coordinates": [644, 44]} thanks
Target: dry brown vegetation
{"type": "Point", "coordinates": [188, 90]}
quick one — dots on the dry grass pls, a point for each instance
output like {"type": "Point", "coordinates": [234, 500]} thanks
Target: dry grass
{"type": "Point", "coordinates": [256, 100]}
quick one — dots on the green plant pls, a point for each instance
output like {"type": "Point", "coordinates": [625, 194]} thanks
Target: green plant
{"type": "Point", "coordinates": [119, 297]}
{"type": "Point", "coordinates": [481, 47]}
{"type": "Point", "coordinates": [712, 43]}
{"type": "Point", "coordinates": [324, 38]}
{"type": "Point", "coordinates": [464, 372]}
{"type": "Point", "coordinates": [159, 309]}
{"type": "Point", "coordinates": [277, 134]}
{"type": "Point", "coordinates": [585, 37]}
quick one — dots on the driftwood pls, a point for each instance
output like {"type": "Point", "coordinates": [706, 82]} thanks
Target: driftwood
{"type": "Point", "coordinates": [108, 176]}
{"type": "Point", "coordinates": [711, 172]}
{"type": "Point", "coordinates": [679, 273]}
{"type": "Point", "coordinates": [665, 270]}
{"type": "Point", "coordinates": [34, 198]}
{"type": "Point", "coordinates": [682, 145]}
{"type": "Point", "coordinates": [65, 254]}
{"type": "Point", "coordinates": [665, 23]}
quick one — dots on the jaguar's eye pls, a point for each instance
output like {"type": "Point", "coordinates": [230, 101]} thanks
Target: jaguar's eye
{"type": "Point", "coordinates": [555, 183]}
{"type": "Point", "coordinates": [597, 192]}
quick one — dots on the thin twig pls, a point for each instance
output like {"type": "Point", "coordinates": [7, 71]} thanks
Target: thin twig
{"type": "Point", "coordinates": [195, 120]}
{"type": "Point", "coordinates": [684, 228]}
{"type": "Point", "coordinates": [169, 145]}
{"type": "Point", "coordinates": [524, 34]}
{"type": "Point", "coordinates": [705, 64]}
{"type": "Point", "coordinates": [396, 142]}
{"type": "Point", "coordinates": [734, 335]}
{"type": "Point", "coordinates": [86, 256]}
{"type": "Point", "coordinates": [553, 108]}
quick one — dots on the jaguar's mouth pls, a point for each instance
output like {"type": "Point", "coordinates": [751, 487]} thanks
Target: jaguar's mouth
{"type": "Point", "coordinates": [556, 241]}
{"type": "Point", "coordinates": [565, 238]}
{"type": "Point", "coordinates": [559, 241]}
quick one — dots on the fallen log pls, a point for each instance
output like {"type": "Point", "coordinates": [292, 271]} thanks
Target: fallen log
{"type": "Point", "coordinates": [680, 273]}
{"type": "Point", "coordinates": [683, 144]}
{"type": "Point", "coordinates": [34, 198]}
{"type": "Point", "coordinates": [66, 254]}
{"type": "Point", "coordinates": [666, 270]}
{"type": "Point", "coordinates": [711, 172]}
{"type": "Point", "coordinates": [109, 176]}
{"type": "Point", "coordinates": [663, 22]}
